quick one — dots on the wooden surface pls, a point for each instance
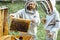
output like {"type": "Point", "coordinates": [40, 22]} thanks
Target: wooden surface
{"type": "Point", "coordinates": [7, 37]}
{"type": "Point", "coordinates": [1, 24]}
{"type": "Point", "coordinates": [23, 37]}
{"type": "Point", "coordinates": [3, 21]}
{"type": "Point", "coordinates": [5, 25]}
{"type": "Point", "coordinates": [11, 37]}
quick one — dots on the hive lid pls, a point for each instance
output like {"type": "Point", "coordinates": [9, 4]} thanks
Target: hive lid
{"type": "Point", "coordinates": [3, 7]}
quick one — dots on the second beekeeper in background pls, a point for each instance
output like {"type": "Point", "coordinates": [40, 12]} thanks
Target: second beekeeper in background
{"type": "Point", "coordinates": [52, 21]}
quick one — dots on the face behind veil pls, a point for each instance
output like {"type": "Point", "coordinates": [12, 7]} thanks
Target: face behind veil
{"type": "Point", "coordinates": [28, 6]}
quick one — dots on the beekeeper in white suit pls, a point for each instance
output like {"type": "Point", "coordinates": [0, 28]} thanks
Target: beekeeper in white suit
{"type": "Point", "coordinates": [29, 12]}
{"type": "Point", "coordinates": [52, 20]}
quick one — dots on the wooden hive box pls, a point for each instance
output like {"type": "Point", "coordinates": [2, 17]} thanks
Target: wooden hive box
{"type": "Point", "coordinates": [7, 37]}
{"type": "Point", "coordinates": [12, 37]}
{"type": "Point", "coordinates": [18, 24]}
{"type": "Point", "coordinates": [22, 37]}
{"type": "Point", "coordinates": [3, 21]}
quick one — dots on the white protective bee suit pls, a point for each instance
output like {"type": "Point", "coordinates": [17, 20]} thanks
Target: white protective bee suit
{"type": "Point", "coordinates": [52, 24]}
{"type": "Point", "coordinates": [26, 14]}
{"type": "Point", "coordinates": [52, 21]}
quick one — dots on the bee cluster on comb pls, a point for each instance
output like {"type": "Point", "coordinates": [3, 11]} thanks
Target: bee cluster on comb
{"type": "Point", "coordinates": [21, 25]}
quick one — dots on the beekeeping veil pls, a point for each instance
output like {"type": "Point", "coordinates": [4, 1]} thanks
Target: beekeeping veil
{"type": "Point", "coordinates": [27, 3]}
{"type": "Point", "coordinates": [48, 5]}
{"type": "Point", "coordinates": [53, 2]}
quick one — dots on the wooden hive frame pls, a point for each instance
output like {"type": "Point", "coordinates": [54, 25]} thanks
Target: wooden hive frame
{"type": "Point", "coordinates": [3, 21]}
{"type": "Point", "coordinates": [18, 24]}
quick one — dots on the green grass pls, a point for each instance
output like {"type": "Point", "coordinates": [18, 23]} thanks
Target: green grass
{"type": "Point", "coordinates": [17, 6]}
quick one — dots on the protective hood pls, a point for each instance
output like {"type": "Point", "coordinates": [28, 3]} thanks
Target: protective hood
{"type": "Point", "coordinates": [46, 6]}
{"type": "Point", "coordinates": [28, 11]}
{"type": "Point", "coordinates": [53, 2]}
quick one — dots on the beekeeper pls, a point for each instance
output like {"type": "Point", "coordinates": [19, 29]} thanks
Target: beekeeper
{"type": "Point", "coordinates": [29, 12]}
{"type": "Point", "coordinates": [52, 19]}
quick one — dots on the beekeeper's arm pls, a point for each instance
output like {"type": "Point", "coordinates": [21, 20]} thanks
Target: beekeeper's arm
{"type": "Point", "coordinates": [57, 22]}
{"type": "Point", "coordinates": [16, 15]}
{"type": "Point", "coordinates": [36, 19]}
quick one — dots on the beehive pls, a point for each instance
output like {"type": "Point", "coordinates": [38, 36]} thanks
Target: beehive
{"type": "Point", "coordinates": [22, 37]}
{"type": "Point", "coordinates": [3, 21]}
{"type": "Point", "coordinates": [7, 37]}
{"type": "Point", "coordinates": [18, 24]}
{"type": "Point", "coordinates": [12, 37]}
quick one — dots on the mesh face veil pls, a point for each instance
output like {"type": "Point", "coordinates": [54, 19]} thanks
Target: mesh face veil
{"type": "Point", "coordinates": [44, 6]}
{"type": "Point", "coordinates": [29, 1]}
{"type": "Point", "coordinates": [33, 9]}
{"type": "Point", "coordinates": [53, 2]}
{"type": "Point", "coordinates": [47, 6]}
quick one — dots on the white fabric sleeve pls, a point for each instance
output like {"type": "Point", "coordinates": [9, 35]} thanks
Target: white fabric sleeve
{"type": "Point", "coordinates": [17, 14]}
{"type": "Point", "coordinates": [57, 23]}
{"type": "Point", "coordinates": [37, 19]}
